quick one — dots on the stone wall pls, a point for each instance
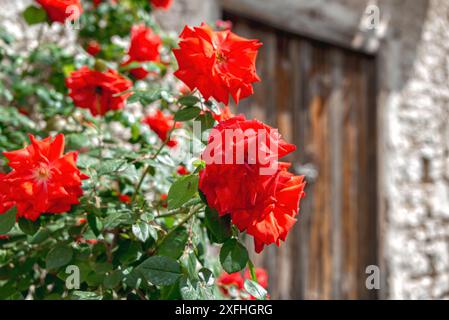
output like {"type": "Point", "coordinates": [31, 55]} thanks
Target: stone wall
{"type": "Point", "coordinates": [416, 157]}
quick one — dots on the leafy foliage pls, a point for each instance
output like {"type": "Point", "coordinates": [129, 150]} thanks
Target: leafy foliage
{"type": "Point", "coordinates": [125, 240]}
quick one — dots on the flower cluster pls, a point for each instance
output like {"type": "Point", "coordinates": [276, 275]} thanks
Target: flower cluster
{"type": "Point", "coordinates": [133, 211]}
{"type": "Point", "coordinates": [43, 179]}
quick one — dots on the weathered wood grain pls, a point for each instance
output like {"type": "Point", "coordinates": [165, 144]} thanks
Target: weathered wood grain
{"type": "Point", "coordinates": [322, 98]}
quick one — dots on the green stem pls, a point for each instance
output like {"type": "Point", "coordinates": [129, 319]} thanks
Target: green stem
{"type": "Point", "coordinates": [170, 214]}
{"type": "Point", "coordinates": [193, 211]}
{"type": "Point", "coordinates": [148, 167]}
{"type": "Point", "coordinates": [252, 271]}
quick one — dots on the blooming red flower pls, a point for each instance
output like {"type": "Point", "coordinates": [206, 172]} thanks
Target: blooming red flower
{"type": "Point", "coordinates": [145, 46]}
{"type": "Point", "coordinates": [124, 198]}
{"type": "Point", "coordinates": [259, 194]}
{"type": "Point", "coordinates": [93, 48]}
{"type": "Point", "coordinates": [182, 170]}
{"type": "Point", "coordinates": [60, 10]}
{"type": "Point", "coordinates": [162, 4]}
{"type": "Point", "coordinates": [4, 237]}
{"type": "Point", "coordinates": [162, 124]}
{"type": "Point", "coordinates": [217, 63]}
{"type": "Point", "coordinates": [271, 218]}
{"type": "Point", "coordinates": [43, 179]}
{"type": "Point", "coordinates": [98, 91]}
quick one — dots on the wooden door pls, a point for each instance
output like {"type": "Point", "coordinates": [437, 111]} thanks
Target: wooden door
{"type": "Point", "coordinates": [323, 99]}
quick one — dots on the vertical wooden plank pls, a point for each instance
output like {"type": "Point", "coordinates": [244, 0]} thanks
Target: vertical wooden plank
{"type": "Point", "coordinates": [302, 66]}
{"type": "Point", "coordinates": [336, 128]}
{"type": "Point", "coordinates": [350, 182]}
{"type": "Point", "coordinates": [284, 113]}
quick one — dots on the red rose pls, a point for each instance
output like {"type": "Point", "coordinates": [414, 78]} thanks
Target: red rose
{"type": "Point", "coordinates": [60, 10]}
{"type": "Point", "coordinates": [162, 124]}
{"type": "Point", "coordinates": [272, 217]}
{"type": "Point", "coordinates": [43, 179]}
{"type": "Point", "coordinates": [244, 181]}
{"type": "Point", "coordinates": [145, 46]}
{"type": "Point", "coordinates": [262, 276]}
{"type": "Point", "coordinates": [124, 198]}
{"type": "Point", "coordinates": [259, 194]}
{"type": "Point", "coordinates": [217, 63]}
{"type": "Point", "coordinates": [162, 4]}
{"type": "Point", "coordinates": [182, 171]}
{"type": "Point", "coordinates": [93, 48]}
{"type": "Point", "coordinates": [96, 91]}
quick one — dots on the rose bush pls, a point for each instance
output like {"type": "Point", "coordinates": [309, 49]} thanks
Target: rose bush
{"type": "Point", "coordinates": [114, 168]}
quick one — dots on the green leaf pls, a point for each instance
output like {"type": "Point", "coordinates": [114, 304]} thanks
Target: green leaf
{"type": "Point", "coordinates": [233, 256]}
{"type": "Point", "coordinates": [207, 277]}
{"type": "Point", "coordinates": [219, 227]}
{"type": "Point", "coordinates": [7, 220]}
{"type": "Point", "coordinates": [207, 121]}
{"type": "Point", "coordinates": [40, 236]}
{"type": "Point", "coordinates": [94, 223]}
{"type": "Point", "coordinates": [34, 15]}
{"type": "Point", "coordinates": [174, 244]}
{"type": "Point", "coordinates": [141, 230]}
{"type": "Point", "coordinates": [29, 227]}
{"type": "Point", "coordinates": [187, 114]}
{"type": "Point", "coordinates": [159, 270]}
{"type": "Point", "coordinates": [182, 190]}
{"type": "Point", "coordinates": [60, 256]}
{"type": "Point", "coordinates": [111, 166]}
{"type": "Point", "coordinates": [188, 101]}
{"type": "Point", "coordinates": [188, 289]}
{"type": "Point", "coordinates": [116, 218]}
{"type": "Point", "coordinates": [113, 280]}
{"type": "Point", "coordinates": [255, 289]}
